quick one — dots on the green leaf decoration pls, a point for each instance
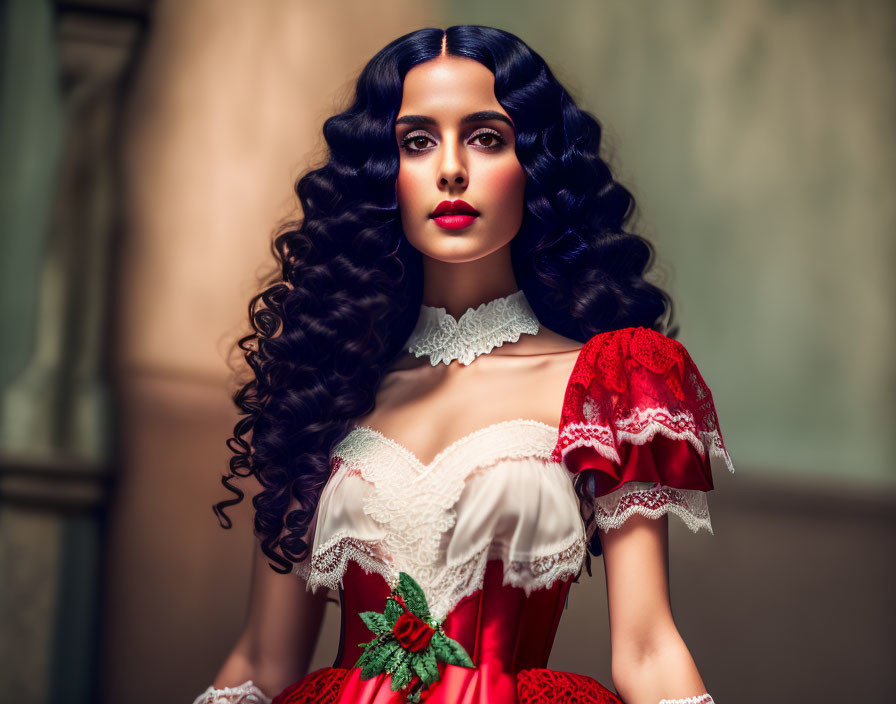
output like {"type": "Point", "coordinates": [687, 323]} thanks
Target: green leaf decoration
{"type": "Point", "coordinates": [402, 676]}
{"type": "Point", "coordinates": [369, 649]}
{"type": "Point", "coordinates": [394, 662]}
{"type": "Point", "coordinates": [376, 641]}
{"type": "Point", "coordinates": [365, 658]}
{"type": "Point", "coordinates": [376, 622]}
{"type": "Point", "coordinates": [450, 651]}
{"type": "Point", "coordinates": [378, 657]}
{"type": "Point", "coordinates": [426, 666]}
{"type": "Point", "coordinates": [393, 611]}
{"type": "Point", "coordinates": [413, 596]}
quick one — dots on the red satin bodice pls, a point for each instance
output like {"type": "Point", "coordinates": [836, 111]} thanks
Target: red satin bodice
{"type": "Point", "coordinates": [499, 625]}
{"type": "Point", "coordinates": [508, 635]}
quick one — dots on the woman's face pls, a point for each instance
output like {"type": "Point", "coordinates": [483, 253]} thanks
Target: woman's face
{"type": "Point", "coordinates": [456, 143]}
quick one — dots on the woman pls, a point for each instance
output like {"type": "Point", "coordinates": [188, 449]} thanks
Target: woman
{"type": "Point", "coordinates": [460, 383]}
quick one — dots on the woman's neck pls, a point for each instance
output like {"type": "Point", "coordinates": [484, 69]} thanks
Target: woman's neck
{"type": "Point", "coordinates": [459, 286]}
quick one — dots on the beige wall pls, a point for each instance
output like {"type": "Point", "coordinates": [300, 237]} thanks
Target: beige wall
{"type": "Point", "coordinates": [759, 166]}
{"type": "Point", "coordinates": [227, 112]}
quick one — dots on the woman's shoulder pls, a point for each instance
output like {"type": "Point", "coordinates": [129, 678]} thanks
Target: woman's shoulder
{"type": "Point", "coordinates": [636, 339]}
{"type": "Point", "coordinates": [614, 357]}
{"type": "Point", "coordinates": [631, 383]}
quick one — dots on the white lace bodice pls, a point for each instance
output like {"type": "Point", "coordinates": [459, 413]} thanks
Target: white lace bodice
{"type": "Point", "coordinates": [493, 494]}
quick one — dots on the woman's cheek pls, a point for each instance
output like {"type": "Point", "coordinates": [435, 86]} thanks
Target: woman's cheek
{"type": "Point", "coordinates": [406, 186]}
{"type": "Point", "coordinates": [508, 182]}
{"type": "Point", "coordinates": [508, 175]}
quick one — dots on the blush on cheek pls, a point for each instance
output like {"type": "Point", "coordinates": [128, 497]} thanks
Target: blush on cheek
{"type": "Point", "coordinates": [406, 187]}
{"type": "Point", "coordinates": [508, 182]}
{"type": "Point", "coordinates": [507, 185]}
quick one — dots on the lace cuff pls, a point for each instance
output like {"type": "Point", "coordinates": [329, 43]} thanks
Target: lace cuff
{"type": "Point", "coordinates": [699, 699]}
{"type": "Point", "coordinates": [650, 500]}
{"type": "Point", "coordinates": [246, 693]}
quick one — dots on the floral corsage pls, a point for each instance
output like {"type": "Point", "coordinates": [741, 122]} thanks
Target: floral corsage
{"type": "Point", "coordinates": [408, 641]}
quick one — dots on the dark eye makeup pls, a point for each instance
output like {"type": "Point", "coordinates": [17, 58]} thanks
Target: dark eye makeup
{"type": "Point", "coordinates": [494, 135]}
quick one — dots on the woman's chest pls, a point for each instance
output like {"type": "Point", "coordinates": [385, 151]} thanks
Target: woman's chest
{"type": "Point", "coordinates": [500, 475]}
{"type": "Point", "coordinates": [426, 410]}
{"type": "Point", "coordinates": [492, 494]}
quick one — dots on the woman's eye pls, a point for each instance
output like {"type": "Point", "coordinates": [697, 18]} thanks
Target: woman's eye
{"type": "Point", "coordinates": [418, 140]}
{"type": "Point", "coordinates": [492, 139]}
{"type": "Point", "coordinates": [413, 143]}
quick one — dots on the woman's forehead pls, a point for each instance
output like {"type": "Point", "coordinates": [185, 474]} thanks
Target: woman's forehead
{"type": "Point", "coordinates": [448, 88]}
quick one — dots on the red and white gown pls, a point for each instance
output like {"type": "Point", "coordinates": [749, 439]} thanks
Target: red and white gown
{"type": "Point", "coordinates": [492, 529]}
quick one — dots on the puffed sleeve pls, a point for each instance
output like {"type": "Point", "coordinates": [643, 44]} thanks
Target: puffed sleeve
{"type": "Point", "coordinates": [637, 430]}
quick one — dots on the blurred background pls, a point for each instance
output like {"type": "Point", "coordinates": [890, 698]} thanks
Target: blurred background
{"type": "Point", "coordinates": [149, 149]}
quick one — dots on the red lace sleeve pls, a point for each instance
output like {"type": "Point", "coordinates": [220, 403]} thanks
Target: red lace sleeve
{"type": "Point", "coordinates": [637, 410]}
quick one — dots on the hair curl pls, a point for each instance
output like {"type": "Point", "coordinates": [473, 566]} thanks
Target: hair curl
{"type": "Point", "coordinates": [349, 286]}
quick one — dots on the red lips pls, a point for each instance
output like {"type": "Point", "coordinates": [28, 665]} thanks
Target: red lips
{"type": "Point", "coordinates": [456, 207]}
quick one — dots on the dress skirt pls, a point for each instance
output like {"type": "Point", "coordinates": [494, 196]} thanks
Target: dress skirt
{"type": "Point", "coordinates": [333, 685]}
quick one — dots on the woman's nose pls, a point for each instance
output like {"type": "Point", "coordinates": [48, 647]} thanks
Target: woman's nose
{"type": "Point", "coordinates": [452, 170]}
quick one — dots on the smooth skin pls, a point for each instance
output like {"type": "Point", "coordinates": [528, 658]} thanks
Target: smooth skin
{"type": "Point", "coordinates": [446, 154]}
{"type": "Point", "coordinates": [281, 629]}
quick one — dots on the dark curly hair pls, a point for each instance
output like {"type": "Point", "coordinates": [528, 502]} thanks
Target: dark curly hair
{"type": "Point", "coordinates": [348, 289]}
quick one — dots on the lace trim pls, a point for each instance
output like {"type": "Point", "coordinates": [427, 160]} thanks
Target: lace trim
{"type": "Point", "coordinates": [453, 582]}
{"type": "Point", "coordinates": [540, 572]}
{"type": "Point", "coordinates": [355, 448]}
{"type": "Point", "coordinates": [328, 563]}
{"type": "Point", "coordinates": [246, 693]}
{"type": "Point", "coordinates": [444, 339]}
{"type": "Point", "coordinates": [539, 685]}
{"type": "Point", "coordinates": [651, 501]}
{"type": "Point", "coordinates": [699, 699]}
{"type": "Point", "coordinates": [530, 574]}
{"type": "Point", "coordinates": [638, 429]}
{"type": "Point", "coordinates": [320, 687]}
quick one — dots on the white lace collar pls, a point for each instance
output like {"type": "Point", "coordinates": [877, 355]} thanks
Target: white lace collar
{"type": "Point", "coordinates": [444, 339]}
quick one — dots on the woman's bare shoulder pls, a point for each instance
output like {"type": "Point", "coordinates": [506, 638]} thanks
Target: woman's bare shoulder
{"type": "Point", "coordinates": [549, 342]}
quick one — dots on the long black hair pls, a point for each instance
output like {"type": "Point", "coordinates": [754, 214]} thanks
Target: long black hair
{"type": "Point", "coordinates": [349, 286]}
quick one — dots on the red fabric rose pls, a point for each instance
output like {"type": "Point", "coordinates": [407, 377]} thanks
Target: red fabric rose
{"type": "Point", "coordinates": [413, 633]}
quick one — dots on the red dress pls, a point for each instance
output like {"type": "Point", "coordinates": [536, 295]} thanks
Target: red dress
{"type": "Point", "coordinates": [494, 533]}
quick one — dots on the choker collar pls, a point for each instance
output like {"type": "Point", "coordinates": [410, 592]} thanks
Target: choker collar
{"type": "Point", "coordinates": [444, 339]}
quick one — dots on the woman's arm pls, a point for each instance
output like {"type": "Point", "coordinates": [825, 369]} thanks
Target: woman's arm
{"type": "Point", "coordinates": [650, 661]}
{"type": "Point", "coordinates": [281, 630]}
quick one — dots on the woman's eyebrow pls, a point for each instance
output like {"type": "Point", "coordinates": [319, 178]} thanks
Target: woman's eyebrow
{"type": "Point", "coordinates": [479, 116]}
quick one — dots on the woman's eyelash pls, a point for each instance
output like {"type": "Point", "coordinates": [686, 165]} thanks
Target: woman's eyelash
{"type": "Point", "coordinates": [410, 138]}
{"type": "Point", "coordinates": [405, 143]}
{"type": "Point", "coordinates": [491, 133]}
